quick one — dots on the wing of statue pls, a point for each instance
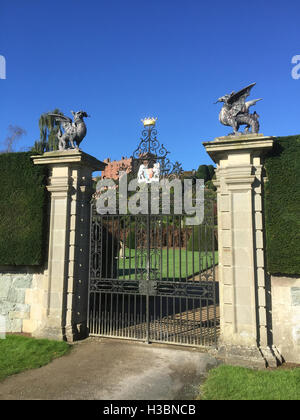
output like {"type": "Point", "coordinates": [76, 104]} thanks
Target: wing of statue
{"type": "Point", "coordinates": [61, 118]}
{"type": "Point", "coordinates": [237, 100]}
{"type": "Point", "coordinates": [66, 122]}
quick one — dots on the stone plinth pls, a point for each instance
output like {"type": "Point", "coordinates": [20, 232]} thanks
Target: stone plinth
{"type": "Point", "coordinates": [65, 284]}
{"type": "Point", "coordinates": [245, 334]}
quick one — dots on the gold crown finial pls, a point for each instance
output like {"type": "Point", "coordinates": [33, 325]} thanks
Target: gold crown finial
{"type": "Point", "coordinates": [149, 121]}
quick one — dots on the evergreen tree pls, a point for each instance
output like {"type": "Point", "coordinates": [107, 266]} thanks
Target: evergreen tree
{"type": "Point", "coordinates": [211, 170]}
{"type": "Point", "coordinates": [203, 173]}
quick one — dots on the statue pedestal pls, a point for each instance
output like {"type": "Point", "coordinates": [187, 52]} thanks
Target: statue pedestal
{"type": "Point", "coordinates": [245, 329]}
{"type": "Point", "coordinates": [65, 285]}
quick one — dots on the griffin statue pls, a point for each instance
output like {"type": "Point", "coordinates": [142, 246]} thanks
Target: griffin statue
{"type": "Point", "coordinates": [235, 111]}
{"type": "Point", "coordinates": [74, 131]}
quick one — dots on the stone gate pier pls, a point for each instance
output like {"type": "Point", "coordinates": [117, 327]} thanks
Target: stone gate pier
{"type": "Point", "coordinates": [60, 310]}
{"type": "Point", "coordinates": [244, 295]}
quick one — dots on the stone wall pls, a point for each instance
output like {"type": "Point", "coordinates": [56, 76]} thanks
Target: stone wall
{"type": "Point", "coordinates": [13, 307]}
{"type": "Point", "coordinates": [286, 316]}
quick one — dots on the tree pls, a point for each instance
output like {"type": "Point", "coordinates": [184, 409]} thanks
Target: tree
{"type": "Point", "coordinates": [48, 133]}
{"type": "Point", "coordinates": [211, 170]}
{"type": "Point", "coordinates": [203, 173]}
{"type": "Point", "coordinates": [15, 133]}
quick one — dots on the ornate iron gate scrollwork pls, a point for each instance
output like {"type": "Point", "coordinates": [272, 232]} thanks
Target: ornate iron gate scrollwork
{"type": "Point", "coordinates": [152, 277]}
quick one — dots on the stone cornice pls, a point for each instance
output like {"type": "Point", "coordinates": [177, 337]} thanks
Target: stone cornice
{"type": "Point", "coordinates": [69, 157]}
{"type": "Point", "coordinates": [256, 144]}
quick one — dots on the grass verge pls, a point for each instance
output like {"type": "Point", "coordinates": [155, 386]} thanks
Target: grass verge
{"type": "Point", "coordinates": [19, 353]}
{"type": "Point", "coordinates": [238, 383]}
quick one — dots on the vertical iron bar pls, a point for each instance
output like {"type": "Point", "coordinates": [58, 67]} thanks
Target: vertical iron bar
{"type": "Point", "coordinates": [180, 318]}
{"type": "Point", "coordinates": [110, 314]}
{"type": "Point", "coordinates": [160, 318]}
{"type": "Point", "coordinates": [123, 326]}
{"type": "Point", "coordinates": [167, 239]}
{"type": "Point", "coordinates": [90, 263]}
{"type": "Point", "coordinates": [106, 248]}
{"type": "Point", "coordinates": [187, 321]}
{"type": "Point", "coordinates": [148, 272]}
{"type": "Point", "coordinates": [118, 241]}
{"type": "Point", "coordinates": [101, 328]}
{"type": "Point", "coordinates": [200, 313]}
{"type": "Point", "coordinates": [129, 244]}
{"type": "Point", "coordinates": [123, 245]}
{"type": "Point", "coordinates": [112, 247]}
{"type": "Point", "coordinates": [207, 323]}
{"type": "Point", "coordinates": [134, 315]}
{"type": "Point", "coordinates": [105, 313]}
{"type": "Point", "coordinates": [167, 314]}
{"type": "Point", "coordinates": [128, 316]}
{"type": "Point", "coordinates": [117, 315]}
{"type": "Point", "coordinates": [175, 321]}
{"type": "Point", "coordinates": [135, 247]}
{"type": "Point", "coordinates": [173, 248]}
{"type": "Point", "coordinates": [180, 245]}
{"type": "Point", "coordinates": [199, 252]}
{"type": "Point", "coordinates": [186, 254]}
{"type": "Point", "coordinates": [161, 247]}
{"type": "Point", "coordinates": [206, 249]}
{"type": "Point", "coordinates": [194, 321]}
{"type": "Point", "coordinates": [193, 252]}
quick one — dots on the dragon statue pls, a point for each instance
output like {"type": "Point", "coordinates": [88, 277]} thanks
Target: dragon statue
{"type": "Point", "coordinates": [74, 131]}
{"type": "Point", "coordinates": [235, 111]}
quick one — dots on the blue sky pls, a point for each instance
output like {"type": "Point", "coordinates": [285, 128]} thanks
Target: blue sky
{"type": "Point", "coordinates": [122, 60]}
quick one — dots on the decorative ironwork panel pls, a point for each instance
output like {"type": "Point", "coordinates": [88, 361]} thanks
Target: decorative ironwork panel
{"type": "Point", "coordinates": [152, 277]}
{"type": "Point", "coordinates": [152, 151]}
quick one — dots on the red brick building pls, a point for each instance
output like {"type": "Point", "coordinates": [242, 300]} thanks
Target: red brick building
{"type": "Point", "coordinates": [113, 167]}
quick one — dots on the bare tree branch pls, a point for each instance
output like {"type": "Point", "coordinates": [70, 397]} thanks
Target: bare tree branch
{"type": "Point", "coordinates": [15, 133]}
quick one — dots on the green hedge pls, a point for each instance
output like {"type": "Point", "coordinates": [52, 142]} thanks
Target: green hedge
{"type": "Point", "coordinates": [282, 206]}
{"type": "Point", "coordinates": [22, 210]}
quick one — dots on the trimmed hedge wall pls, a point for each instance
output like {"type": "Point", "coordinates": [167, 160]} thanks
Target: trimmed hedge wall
{"type": "Point", "coordinates": [282, 206]}
{"type": "Point", "coordinates": [22, 210]}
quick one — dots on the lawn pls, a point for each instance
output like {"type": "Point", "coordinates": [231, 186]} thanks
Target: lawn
{"type": "Point", "coordinates": [19, 353]}
{"type": "Point", "coordinates": [175, 264]}
{"type": "Point", "coordinates": [238, 383]}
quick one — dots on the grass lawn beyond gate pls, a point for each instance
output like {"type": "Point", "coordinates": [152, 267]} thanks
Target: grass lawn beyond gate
{"type": "Point", "coordinates": [19, 353]}
{"type": "Point", "coordinates": [175, 263]}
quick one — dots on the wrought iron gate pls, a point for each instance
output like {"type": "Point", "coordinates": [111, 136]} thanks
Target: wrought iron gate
{"type": "Point", "coordinates": [152, 277]}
